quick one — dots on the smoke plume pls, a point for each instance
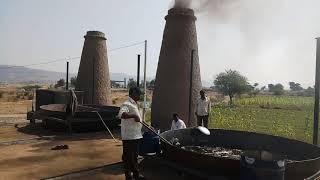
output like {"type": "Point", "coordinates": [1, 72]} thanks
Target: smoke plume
{"type": "Point", "coordinates": [268, 41]}
{"type": "Point", "coordinates": [182, 3]}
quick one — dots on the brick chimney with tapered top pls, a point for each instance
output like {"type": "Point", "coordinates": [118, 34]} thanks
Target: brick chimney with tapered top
{"type": "Point", "coordinates": [171, 93]}
{"type": "Point", "coordinates": [93, 75]}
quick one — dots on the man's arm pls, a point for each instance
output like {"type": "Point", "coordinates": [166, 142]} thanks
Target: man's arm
{"type": "Point", "coordinates": [126, 115]}
{"type": "Point", "coordinates": [182, 125]}
{"type": "Point", "coordinates": [172, 125]}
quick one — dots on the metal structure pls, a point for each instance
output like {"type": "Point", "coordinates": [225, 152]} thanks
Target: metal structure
{"type": "Point", "coordinates": [145, 80]}
{"type": "Point", "coordinates": [171, 92]}
{"type": "Point", "coordinates": [67, 77]}
{"type": "Point", "coordinates": [138, 71]}
{"type": "Point", "coordinates": [84, 118]}
{"type": "Point", "coordinates": [304, 158]}
{"type": "Point", "coordinates": [190, 88]}
{"type": "Point", "coordinates": [52, 107]}
{"type": "Point", "coordinates": [124, 82]}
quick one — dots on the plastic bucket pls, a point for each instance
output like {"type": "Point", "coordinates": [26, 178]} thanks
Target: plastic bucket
{"type": "Point", "coordinates": [149, 144]}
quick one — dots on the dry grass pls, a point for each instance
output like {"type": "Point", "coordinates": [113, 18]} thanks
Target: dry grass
{"type": "Point", "coordinates": [20, 107]}
{"type": "Point", "coordinates": [120, 95]}
{"type": "Point", "coordinates": [9, 104]}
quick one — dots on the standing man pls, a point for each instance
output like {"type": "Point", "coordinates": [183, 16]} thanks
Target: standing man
{"type": "Point", "coordinates": [203, 108]}
{"type": "Point", "coordinates": [131, 133]}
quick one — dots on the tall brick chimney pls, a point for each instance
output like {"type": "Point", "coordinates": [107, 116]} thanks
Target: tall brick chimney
{"type": "Point", "coordinates": [93, 75]}
{"type": "Point", "coordinates": [171, 93]}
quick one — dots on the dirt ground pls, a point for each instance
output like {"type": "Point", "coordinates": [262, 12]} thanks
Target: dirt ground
{"type": "Point", "coordinates": [25, 153]}
{"type": "Point", "coordinates": [25, 150]}
{"type": "Point", "coordinates": [14, 108]}
{"type": "Point", "coordinates": [34, 159]}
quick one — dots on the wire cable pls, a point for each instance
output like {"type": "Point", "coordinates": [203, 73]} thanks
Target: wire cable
{"type": "Point", "coordinates": [127, 46]}
{"type": "Point", "coordinates": [69, 59]}
{"type": "Point", "coordinates": [48, 62]}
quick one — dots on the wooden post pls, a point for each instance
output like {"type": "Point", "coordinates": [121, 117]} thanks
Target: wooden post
{"type": "Point", "coordinates": [316, 100]}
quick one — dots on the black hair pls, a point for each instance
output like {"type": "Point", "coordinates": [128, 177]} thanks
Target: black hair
{"type": "Point", "coordinates": [175, 115]}
{"type": "Point", "coordinates": [134, 91]}
{"type": "Point", "coordinates": [203, 91]}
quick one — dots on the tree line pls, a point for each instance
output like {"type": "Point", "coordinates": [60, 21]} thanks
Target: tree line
{"type": "Point", "coordinates": [232, 83]}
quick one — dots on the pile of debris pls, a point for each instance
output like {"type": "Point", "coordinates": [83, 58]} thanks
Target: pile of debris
{"type": "Point", "coordinates": [218, 152]}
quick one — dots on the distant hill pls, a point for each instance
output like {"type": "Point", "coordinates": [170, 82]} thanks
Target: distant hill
{"type": "Point", "coordinates": [27, 75]}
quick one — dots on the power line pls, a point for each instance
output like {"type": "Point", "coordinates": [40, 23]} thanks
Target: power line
{"type": "Point", "coordinates": [127, 46]}
{"type": "Point", "coordinates": [69, 59]}
{"type": "Point", "coordinates": [48, 62]}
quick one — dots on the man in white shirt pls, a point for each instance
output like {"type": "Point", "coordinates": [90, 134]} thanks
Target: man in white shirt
{"type": "Point", "coordinates": [131, 133]}
{"type": "Point", "coordinates": [203, 108]}
{"type": "Point", "coordinates": [177, 123]}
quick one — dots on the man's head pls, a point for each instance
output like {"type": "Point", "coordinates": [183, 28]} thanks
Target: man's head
{"type": "Point", "coordinates": [202, 94]}
{"type": "Point", "coordinates": [135, 93]}
{"type": "Point", "coordinates": [175, 117]}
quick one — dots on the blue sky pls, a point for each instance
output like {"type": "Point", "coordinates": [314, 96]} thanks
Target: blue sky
{"type": "Point", "coordinates": [268, 41]}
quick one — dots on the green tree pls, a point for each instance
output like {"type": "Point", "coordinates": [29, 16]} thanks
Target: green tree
{"type": "Point", "coordinates": [73, 81]}
{"type": "Point", "coordinates": [309, 92]}
{"type": "Point", "coordinates": [254, 90]}
{"type": "Point", "coordinates": [295, 86]}
{"type": "Point", "coordinates": [150, 84]}
{"type": "Point", "coordinates": [60, 83]}
{"type": "Point", "coordinates": [131, 83]}
{"type": "Point", "coordinates": [232, 83]}
{"type": "Point", "coordinates": [277, 89]}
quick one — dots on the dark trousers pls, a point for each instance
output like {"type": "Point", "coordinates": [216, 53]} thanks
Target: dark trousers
{"type": "Point", "coordinates": [204, 120]}
{"type": "Point", "coordinates": [130, 157]}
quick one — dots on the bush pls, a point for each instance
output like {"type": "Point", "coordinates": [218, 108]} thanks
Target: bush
{"type": "Point", "coordinates": [277, 89]}
{"type": "Point", "coordinates": [60, 83]}
{"type": "Point", "coordinates": [30, 96]}
{"type": "Point", "coordinates": [30, 87]}
{"type": "Point", "coordinates": [12, 99]}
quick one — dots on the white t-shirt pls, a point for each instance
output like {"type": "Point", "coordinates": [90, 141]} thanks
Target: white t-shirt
{"type": "Point", "coordinates": [178, 125]}
{"type": "Point", "coordinates": [203, 106]}
{"type": "Point", "coordinates": [130, 129]}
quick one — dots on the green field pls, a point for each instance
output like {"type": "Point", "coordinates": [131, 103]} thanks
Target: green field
{"type": "Point", "coordinates": [286, 116]}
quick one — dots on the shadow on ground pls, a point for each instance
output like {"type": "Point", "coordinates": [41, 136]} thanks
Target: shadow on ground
{"type": "Point", "coordinates": [58, 134]}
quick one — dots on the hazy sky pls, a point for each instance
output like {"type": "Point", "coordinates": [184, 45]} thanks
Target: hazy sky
{"type": "Point", "coordinates": [269, 41]}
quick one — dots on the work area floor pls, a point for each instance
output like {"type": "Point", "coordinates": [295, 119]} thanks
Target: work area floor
{"type": "Point", "coordinates": [25, 153]}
